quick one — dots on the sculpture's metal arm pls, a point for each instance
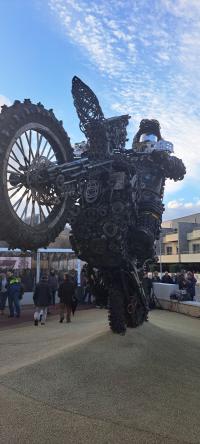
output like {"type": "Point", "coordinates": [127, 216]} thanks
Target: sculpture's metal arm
{"type": "Point", "coordinates": [176, 169]}
{"type": "Point", "coordinates": [172, 166]}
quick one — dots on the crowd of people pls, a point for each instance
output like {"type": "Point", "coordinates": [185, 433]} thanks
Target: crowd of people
{"type": "Point", "coordinates": [44, 295]}
{"type": "Point", "coordinates": [92, 288]}
{"type": "Point", "coordinates": [185, 280]}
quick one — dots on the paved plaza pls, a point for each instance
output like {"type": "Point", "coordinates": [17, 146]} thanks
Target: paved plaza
{"type": "Point", "coordinates": [79, 383]}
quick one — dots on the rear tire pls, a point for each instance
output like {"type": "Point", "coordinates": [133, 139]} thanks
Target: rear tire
{"type": "Point", "coordinates": [138, 315]}
{"type": "Point", "coordinates": [136, 307]}
{"type": "Point", "coordinates": [116, 315]}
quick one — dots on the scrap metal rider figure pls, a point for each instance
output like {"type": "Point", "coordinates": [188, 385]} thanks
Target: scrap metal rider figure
{"type": "Point", "coordinates": [154, 163]}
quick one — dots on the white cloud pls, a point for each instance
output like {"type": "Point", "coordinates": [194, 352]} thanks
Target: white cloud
{"type": "Point", "coordinates": [180, 208]}
{"type": "Point", "coordinates": [183, 8]}
{"type": "Point", "coordinates": [189, 205]}
{"type": "Point", "coordinates": [4, 101]}
{"type": "Point", "coordinates": [174, 204]}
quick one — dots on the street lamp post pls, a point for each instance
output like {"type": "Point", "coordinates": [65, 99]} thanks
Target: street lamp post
{"type": "Point", "coordinates": [160, 254]}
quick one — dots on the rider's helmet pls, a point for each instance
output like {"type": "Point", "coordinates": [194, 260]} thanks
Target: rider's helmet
{"type": "Point", "coordinates": [149, 131]}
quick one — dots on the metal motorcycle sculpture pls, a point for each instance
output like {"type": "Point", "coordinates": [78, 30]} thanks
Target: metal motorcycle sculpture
{"type": "Point", "coordinates": [111, 196]}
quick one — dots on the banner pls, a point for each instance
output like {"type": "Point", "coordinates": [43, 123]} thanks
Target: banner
{"type": "Point", "coordinates": [15, 263]}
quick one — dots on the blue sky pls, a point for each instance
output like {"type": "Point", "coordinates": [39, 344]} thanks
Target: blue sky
{"type": "Point", "coordinates": [139, 57]}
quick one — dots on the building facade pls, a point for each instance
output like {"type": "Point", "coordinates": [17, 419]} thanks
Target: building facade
{"type": "Point", "coordinates": [179, 244]}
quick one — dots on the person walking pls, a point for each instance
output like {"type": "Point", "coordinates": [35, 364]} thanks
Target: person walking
{"type": "Point", "coordinates": [15, 292]}
{"type": "Point", "coordinates": [3, 292]}
{"type": "Point", "coordinates": [66, 293]}
{"type": "Point", "coordinates": [53, 283]}
{"type": "Point", "coordinates": [42, 299]}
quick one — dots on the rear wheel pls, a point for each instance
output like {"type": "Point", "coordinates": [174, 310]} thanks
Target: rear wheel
{"type": "Point", "coordinates": [116, 315]}
{"type": "Point", "coordinates": [136, 305]}
{"type": "Point", "coordinates": [135, 312]}
{"type": "Point", "coordinates": [31, 139]}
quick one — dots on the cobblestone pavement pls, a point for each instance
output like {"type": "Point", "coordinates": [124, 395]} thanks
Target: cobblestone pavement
{"type": "Point", "coordinates": [79, 383]}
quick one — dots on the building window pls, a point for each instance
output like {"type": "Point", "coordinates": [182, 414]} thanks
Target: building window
{"type": "Point", "coordinates": [196, 248]}
{"type": "Point", "coordinates": [176, 250]}
{"type": "Point", "coordinates": [169, 250]}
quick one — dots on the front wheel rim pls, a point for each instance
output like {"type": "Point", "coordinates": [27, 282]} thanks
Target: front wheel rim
{"type": "Point", "coordinates": [31, 146]}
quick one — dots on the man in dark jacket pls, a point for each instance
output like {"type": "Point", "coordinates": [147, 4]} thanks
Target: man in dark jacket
{"type": "Point", "coordinates": [42, 299]}
{"type": "Point", "coordinates": [190, 285]}
{"type": "Point", "coordinates": [66, 292]}
{"type": "Point", "coordinates": [166, 279]}
{"type": "Point", "coordinates": [53, 283]}
{"type": "Point", "coordinates": [181, 281]}
{"type": "Point", "coordinates": [155, 277]}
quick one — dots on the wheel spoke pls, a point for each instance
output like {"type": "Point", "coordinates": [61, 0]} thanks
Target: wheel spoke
{"type": "Point", "coordinates": [21, 149]}
{"type": "Point", "coordinates": [43, 149]}
{"type": "Point", "coordinates": [12, 188]}
{"type": "Point", "coordinates": [24, 213]}
{"type": "Point", "coordinates": [29, 144]}
{"type": "Point", "coordinates": [47, 208]}
{"type": "Point", "coordinates": [15, 159]}
{"type": "Point", "coordinates": [39, 140]}
{"type": "Point", "coordinates": [49, 152]}
{"type": "Point", "coordinates": [53, 155]}
{"type": "Point", "coordinates": [16, 191]}
{"type": "Point", "coordinates": [11, 166]}
{"type": "Point", "coordinates": [19, 201]}
{"type": "Point", "coordinates": [32, 212]}
{"type": "Point", "coordinates": [42, 215]}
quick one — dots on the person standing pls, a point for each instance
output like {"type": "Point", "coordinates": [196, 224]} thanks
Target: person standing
{"type": "Point", "coordinates": [166, 279]}
{"type": "Point", "coordinates": [190, 285]}
{"type": "Point", "coordinates": [53, 283]}
{"type": "Point", "coordinates": [3, 292]}
{"type": "Point", "coordinates": [87, 292]}
{"type": "Point", "coordinates": [147, 286]}
{"type": "Point", "coordinates": [42, 299]}
{"type": "Point", "coordinates": [181, 280]}
{"type": "Point", "coordinates": [174, 278]}
{"type": "Point", "coordinates": [15, 291]}
{"type": "Point", "coordinates": [66, 292]}
{"type": "Point", "coordinates": [155, 277]}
